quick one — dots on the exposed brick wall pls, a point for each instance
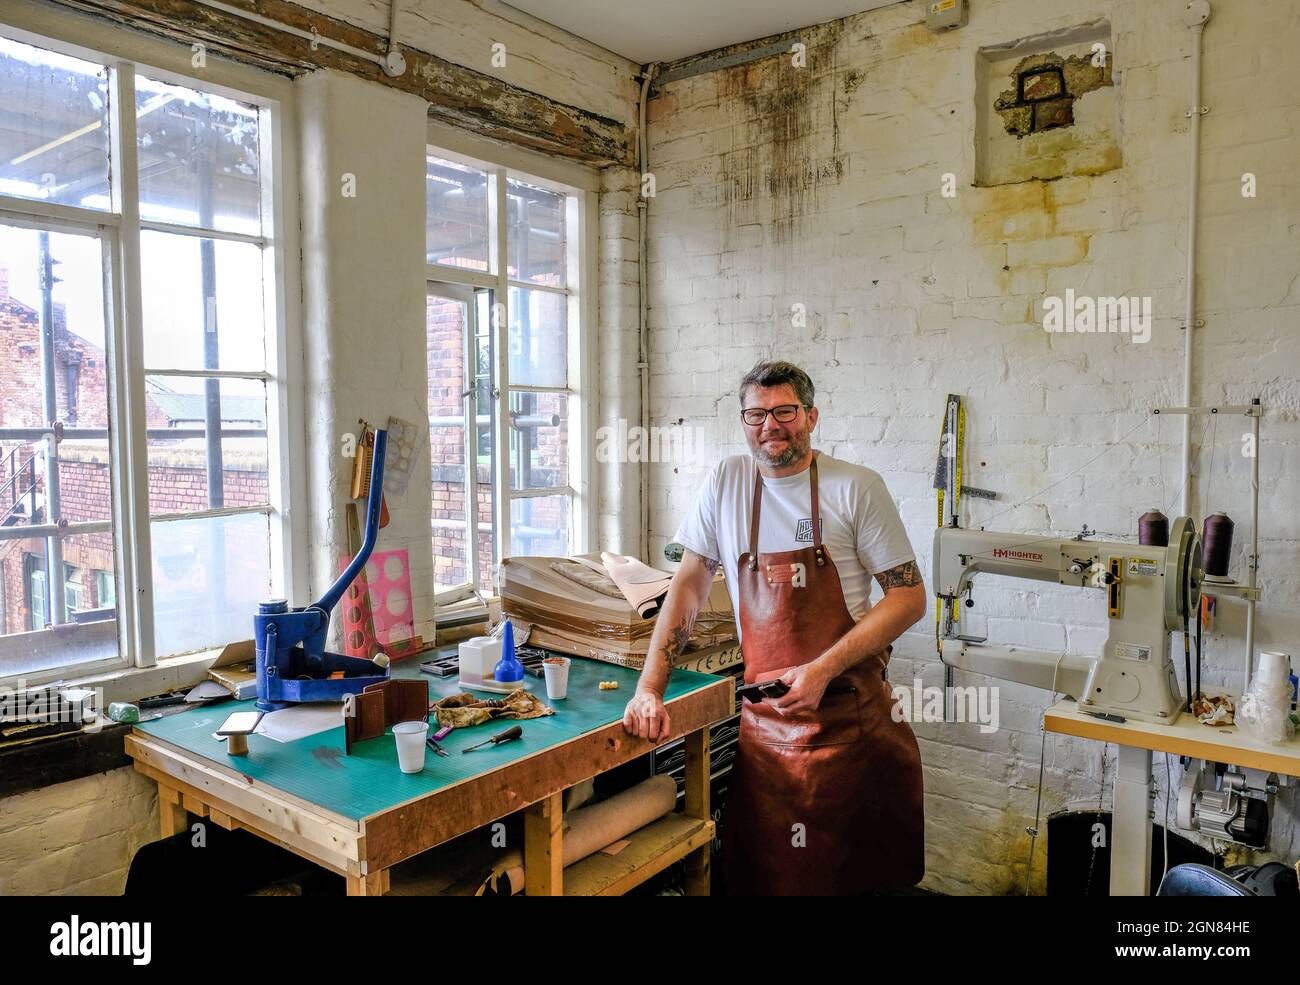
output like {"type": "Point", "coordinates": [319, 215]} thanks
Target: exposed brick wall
{"type": "Point", "coordinates": [824, 188]}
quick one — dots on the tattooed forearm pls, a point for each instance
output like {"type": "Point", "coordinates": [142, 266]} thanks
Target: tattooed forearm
{"type": "Point", "coordinates": [678, 636]}
{"type": "Point", "coordinates": [905, 575]}
{"type": "Point", "coordinates": [686, 597]}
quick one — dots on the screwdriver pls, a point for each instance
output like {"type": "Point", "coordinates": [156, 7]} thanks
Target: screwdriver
{"type": "Point", "coordinates": [513, 732]}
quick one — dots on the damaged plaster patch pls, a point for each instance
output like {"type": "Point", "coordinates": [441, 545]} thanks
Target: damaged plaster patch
{"type": "Point", "coordinates": [1047, 107]}
{"type": "Point", "coordinates": [1044, 88]}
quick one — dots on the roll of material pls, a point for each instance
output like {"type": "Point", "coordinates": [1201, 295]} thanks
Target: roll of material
{"type": "Point", "coordinates": [1216, 541]}
{"type": "Point", "coordinates": [1153, 529]}
{"type": "Point", "coordinates": [589, 829]}
{"type": "Point", "coordinates": [644, 587]}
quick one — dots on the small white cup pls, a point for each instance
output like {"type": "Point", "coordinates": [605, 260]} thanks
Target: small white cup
{"type": "Point", "coordinates": [410, 738]}
{"type": "Point", "coordinates": [1273, 666]}
{"type": "Point", "coordinates": [557, 677]}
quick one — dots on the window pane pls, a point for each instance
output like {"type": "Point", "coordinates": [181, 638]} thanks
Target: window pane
{"type": "Point", "coordinates": [203, 303]}
{"type": "Point", "coordinates": [76, 314]}
{"type": "Point", "coordinates": [539, 526]}
{"type": "Point", "coordinates": [198, 157]}
{"type": "Point", "coordinates": [67, 325]}
{"type": "Point", "coordinates": [77, 594]}
{"type": "Point", "coordinates": [535, 235]}
{"type": "Point", "coordinates": [445, 326]}
{"type": "Point", "coordinates": [53, 128]}
{"type": "Point", "coordinates": [539, 440]}
{"type": "Point", "coordinates": [539, 338]}
{"type": "Point", "coordinates": [180, 458]}
{"type": "Point", "coordinates": [208, 576]}
{"type": "Point", "coordinates": [38, 597]}
{"type": "Point", "coordinates": [105, 588]}
{"type": "Point", "coordinates": [89, 630]}
{"type": "Point", "coordinates": [456, 228]}
{"type": "Point", "coordinates": [447, 322]}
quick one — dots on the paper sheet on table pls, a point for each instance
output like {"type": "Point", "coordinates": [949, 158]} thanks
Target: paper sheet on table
{"type": "Point", "coordinates": [300, 721]}
{"type": "Point", "coordinates": [207, 690]}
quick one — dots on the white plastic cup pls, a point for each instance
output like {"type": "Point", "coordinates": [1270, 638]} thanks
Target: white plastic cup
{"type": "Point", "coordinates": [410, 738]}
{"type": "Point", "coordinates": [557, 677]}
{"type": "Point", "coordinates": [1273, 666]}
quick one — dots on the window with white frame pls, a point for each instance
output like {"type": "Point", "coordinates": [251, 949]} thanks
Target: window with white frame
{"type": "Point", "coordinates": [503, 321]}
{"type": "Point", "coordinates": [140, 398]}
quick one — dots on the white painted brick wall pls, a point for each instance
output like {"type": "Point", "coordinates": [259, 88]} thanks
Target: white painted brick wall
{"type": "Point", "coordinates": [618, 502]}
{"type": "Point", "coordinates": [364, 308]}
{"type": "Point", "coordinates": [76, 838]}
{"type": "Point", "coordinates": [907, 301]}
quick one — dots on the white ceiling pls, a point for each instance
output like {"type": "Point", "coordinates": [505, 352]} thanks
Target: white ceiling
{"type": "Point", "coordinates": [661, 30]}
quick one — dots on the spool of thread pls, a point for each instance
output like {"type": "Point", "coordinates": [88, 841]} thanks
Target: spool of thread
{"type": "Point", "coordinates": [1216, 539]}
{"type": "Point", "coordinates": [1153, 529]}
{"type": "Point", "coordinates": [1274, 667]}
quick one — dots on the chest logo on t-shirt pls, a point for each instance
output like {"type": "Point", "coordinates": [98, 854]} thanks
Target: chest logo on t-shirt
{"type": "Point", "coordinates": [803, 530]}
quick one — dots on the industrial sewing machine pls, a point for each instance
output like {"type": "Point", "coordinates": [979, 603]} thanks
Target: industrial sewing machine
{"type": "Point", "coordinates": [292, 663]}
{"type": "Point", "coordinates": [1150, 592]}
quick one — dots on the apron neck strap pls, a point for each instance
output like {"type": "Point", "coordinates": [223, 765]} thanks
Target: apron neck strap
{"type": "Point", "coordinates": [757, 510]}
{"type": "Point", "coordinates": [816, 507]}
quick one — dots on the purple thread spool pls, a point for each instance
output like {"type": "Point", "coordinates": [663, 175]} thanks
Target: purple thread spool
{"type": "Point", "coordinates": [1217, 544]}
{"type": "Point", "coordinates": [1153, 529]}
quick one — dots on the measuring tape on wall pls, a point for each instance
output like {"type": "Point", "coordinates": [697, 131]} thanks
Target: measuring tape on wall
{"type": "Point", "coordinates": [952, 447]}
{"type": "Point", "coordinates": [947, 476]}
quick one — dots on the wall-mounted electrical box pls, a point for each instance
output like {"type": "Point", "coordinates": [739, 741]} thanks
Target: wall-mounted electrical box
{"type": "Point", "coordinates": [944, 15]}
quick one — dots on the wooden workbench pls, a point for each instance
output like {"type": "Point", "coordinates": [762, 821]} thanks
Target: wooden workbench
{"type": "Point", "coordinates": [359, 815]}
{"type": "Point", "coordinates": [1131, 819]}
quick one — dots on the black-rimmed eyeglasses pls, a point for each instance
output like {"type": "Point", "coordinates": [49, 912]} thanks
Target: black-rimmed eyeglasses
{"type": "Point", "coordinates": [755, 416]}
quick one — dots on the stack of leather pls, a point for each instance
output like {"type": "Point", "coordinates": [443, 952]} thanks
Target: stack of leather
{"type": "Point", "coordinates": [572, 605]}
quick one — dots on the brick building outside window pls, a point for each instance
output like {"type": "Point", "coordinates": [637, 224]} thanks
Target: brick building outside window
{"type": "Point", "coordinates": [177, 468]}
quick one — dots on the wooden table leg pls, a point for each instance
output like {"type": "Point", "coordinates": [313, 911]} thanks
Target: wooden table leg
{"type": "Point", "coordinates": [172, 816]}
{"type": "Point", "coordinates": [698, 878]}
{"type": "Point", "coordinates": [544, 847]}
{"type": "Point", "coordinates": [373, 884]}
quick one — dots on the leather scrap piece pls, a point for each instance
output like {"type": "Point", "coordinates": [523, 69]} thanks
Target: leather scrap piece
{"type": "Point", "coordinates": [462, 710]}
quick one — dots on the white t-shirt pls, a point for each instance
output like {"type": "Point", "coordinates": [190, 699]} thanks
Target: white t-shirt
{"type": "Point", "coordinates": [861, 528]}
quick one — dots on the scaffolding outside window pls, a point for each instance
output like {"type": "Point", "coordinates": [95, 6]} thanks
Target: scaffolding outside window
{"type": "Point", "coordinates": [137, 363]}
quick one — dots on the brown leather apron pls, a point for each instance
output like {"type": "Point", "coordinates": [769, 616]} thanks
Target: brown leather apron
{"type": "Point", "coordinates": [826, 802]}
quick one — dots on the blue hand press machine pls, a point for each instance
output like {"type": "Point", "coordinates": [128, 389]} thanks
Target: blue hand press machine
{"type": "Point", "coordinates": [292, 663]}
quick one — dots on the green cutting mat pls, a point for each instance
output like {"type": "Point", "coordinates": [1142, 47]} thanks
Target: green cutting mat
{"type": "Point", "coordinates": [367, 782]}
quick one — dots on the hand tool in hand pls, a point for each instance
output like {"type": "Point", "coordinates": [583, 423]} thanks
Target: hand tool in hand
{"type": "Point", "coordinates": [513, 732]}
{"type": "Point", "coordinates": [763, 689]}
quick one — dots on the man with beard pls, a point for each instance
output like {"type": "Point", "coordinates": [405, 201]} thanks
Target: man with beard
{"type": "Point", "coordinates": [826, 794]}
